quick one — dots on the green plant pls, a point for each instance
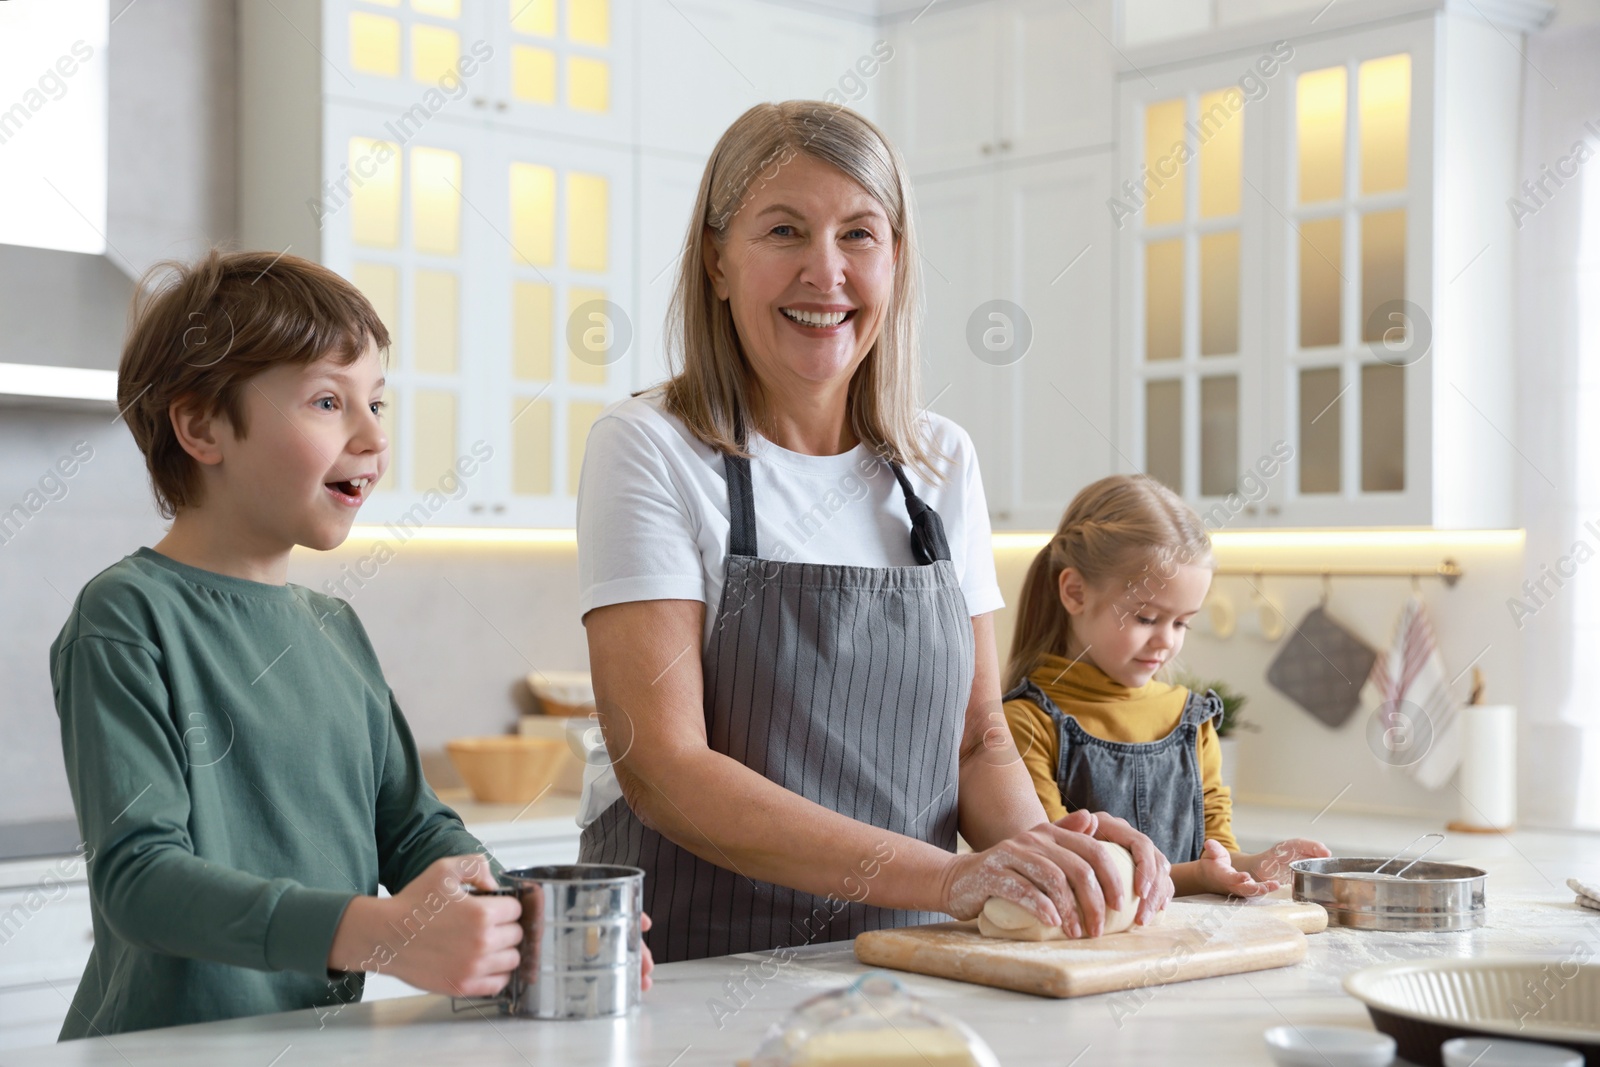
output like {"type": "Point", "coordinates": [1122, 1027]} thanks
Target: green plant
{"type": "Point", "coordinates": [1233, 702]}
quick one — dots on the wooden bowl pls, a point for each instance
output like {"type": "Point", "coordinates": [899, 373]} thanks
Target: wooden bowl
{"type": "Point", "coordinates": [507, 770]}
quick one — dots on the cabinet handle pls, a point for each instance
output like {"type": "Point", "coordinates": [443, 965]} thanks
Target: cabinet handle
{"type": "Point", "coordinates": [500, 105]}
{"type": "Point", "coordinates": [479, 101]}
{"type": "Point", "coordinates": [477, 509]}
{"type": "Point", "coordinates": [987, 149]}
{"type": "Point", "coordinates": [499, 509]}
{"type": "Point", "coordinates": [1250, 509]}
{"type": "Point", "coordinates": [1005, 146]}
{"type": "Point", "coordinates": [1272, 509]}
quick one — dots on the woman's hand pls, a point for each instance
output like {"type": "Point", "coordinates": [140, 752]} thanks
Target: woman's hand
{"type": "Point", "coordinates": [647, 962]}
{"type": "Point", "coordinates": [1060, 875]}
{"type": "Point", "coordinates": [1152, 871]}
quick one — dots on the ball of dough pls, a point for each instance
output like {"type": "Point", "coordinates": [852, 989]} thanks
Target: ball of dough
{"type": "Point", "coordinates": [1002, 918]}
{"type": "Point", "coordinates": [1120, 917]}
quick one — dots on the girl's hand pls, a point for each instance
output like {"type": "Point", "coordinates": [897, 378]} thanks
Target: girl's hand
{"type": "Point", "coordinates": [1217, 873]}
{"type": "Point", "coordinates": [1273, 864]}
{"type": "Point", "coordinates": [1152, 872]}
{"type": "Point", "coordinates": [1060, 875]}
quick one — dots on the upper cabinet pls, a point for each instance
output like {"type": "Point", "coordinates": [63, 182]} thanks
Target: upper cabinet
{"type": "Point", "coordinates": [509, 182]}
{"type": "Point", "coordinates": [1001, 79]}
{"type": "Point", "coordinates": [1314, 293]}
{"type": "Point", "coordinates": [1004, 110]}
{"type": "Point", "coordinates": [557, 66]}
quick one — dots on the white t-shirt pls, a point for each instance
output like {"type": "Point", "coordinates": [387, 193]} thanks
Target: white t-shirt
{"type": "Point", "coordinates": [653, 523]}
{"type": "Point", "coordinates": [653, 511]}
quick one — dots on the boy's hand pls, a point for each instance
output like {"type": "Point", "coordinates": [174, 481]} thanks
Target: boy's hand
{"type": "Point", "coordinates": [433, 933]}
{"type": "Point", "coordinates": [457, 943]}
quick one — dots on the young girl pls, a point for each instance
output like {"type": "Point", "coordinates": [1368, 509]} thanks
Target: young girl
{"type": "Point", "coordinates": [1104, 606]}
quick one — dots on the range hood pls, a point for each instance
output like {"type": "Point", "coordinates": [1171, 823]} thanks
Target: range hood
{"type": "Point", "coordinates": [171, 194]}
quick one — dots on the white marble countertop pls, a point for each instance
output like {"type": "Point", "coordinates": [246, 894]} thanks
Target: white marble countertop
{"type": "Point", "coordinates": [1211, 1021]}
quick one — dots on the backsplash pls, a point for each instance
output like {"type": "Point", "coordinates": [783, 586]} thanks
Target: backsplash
{"type": "Point", "coordinates": [458, 626]}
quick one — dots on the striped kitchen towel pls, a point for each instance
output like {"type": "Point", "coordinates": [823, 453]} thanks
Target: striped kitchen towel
{"type": "Point", "coordinates": [1409, 691]}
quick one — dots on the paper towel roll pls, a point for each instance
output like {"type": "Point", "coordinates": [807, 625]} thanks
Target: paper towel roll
{"type": "Point", "coordinates": [1488, 776]}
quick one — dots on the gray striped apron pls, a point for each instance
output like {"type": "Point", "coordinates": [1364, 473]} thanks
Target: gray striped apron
{"type": "Point", "coordinates": [1155, 785]}
{"type": "Point", "coordinates": [846, 685]}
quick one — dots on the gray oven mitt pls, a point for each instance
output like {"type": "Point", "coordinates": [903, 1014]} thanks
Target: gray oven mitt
{"type": "Point", "coordinates": [1322, 667]}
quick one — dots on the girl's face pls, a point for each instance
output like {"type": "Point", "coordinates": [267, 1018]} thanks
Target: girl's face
{"type": "Point", "coordinates": [1129, 629]}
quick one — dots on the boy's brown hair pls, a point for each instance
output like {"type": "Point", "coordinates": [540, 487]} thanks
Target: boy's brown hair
{"type": "Point", "coordinates": [203, 330]}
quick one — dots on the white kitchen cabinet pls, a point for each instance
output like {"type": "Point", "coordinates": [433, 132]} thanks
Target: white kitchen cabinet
{"type": "Point", "coordinates": [1004, 112]}
{"type": "Point", "coordinates": [555, 66]}
{"type": "Point", "coordinates": [1319, 263]}
{"type": "Point", "coordinates": [501, 263]}
{"type": "Point", "coordinates": [563, 66]}
{"type": "Point", "coordinates": [1001, 80]}
{"type": "Point", "coordinates": [956, 225]}
{"type": "Point", "coordinates": [497, 246]}
{"type": "Point", "coordinates": [1029, 379]}
{"type": "Point", "coordinates": [473, 166]}
{"type": "Point", "coordinates": [1056, 266]}
{"type": "Point", "coordinates": [704, 62]}
{"type": "Point", "coordinates": [46, 935]}
{"type": "Point", "coordinates": [46, 932]}
{"type": "Point", "coordinates": [668, 185]}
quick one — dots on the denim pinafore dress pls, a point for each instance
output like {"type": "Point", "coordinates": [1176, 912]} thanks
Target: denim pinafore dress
{"type": "Point", "coordinates": [1154, 785]}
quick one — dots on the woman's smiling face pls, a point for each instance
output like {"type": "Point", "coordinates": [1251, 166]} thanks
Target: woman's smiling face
{"type": "Point", "coordinates": [807, 268]}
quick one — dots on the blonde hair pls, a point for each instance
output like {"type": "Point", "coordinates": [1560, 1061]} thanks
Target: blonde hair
{"type": "Point", "coordinates": [1127, 527]}
{"type": "Point", "coordinates": [712, 386]}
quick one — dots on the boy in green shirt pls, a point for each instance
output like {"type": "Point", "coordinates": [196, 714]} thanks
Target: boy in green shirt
{"type": "Point", "coordinates": [243, 778]}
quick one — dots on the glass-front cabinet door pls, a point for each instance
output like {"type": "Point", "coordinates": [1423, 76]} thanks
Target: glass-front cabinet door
{"type": "Point", "coordinates": [1191, 223]}
{"type": "Point", "coordinates": [559, 315]}
{"type": "Point", "coordinates": [422, 57]}
{"type": "Point", "coordinates": [403, 228]}
{"type": "Point", "coordinates": [1274, 223]}
{"type": "Point", "coordinates": [1351, 280]}
{"type": "Point", "coordinates": [563, 66]}
{"type": "Point", "coordinates": [498, 260]}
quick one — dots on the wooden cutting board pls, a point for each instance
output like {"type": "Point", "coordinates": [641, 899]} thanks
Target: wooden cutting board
{"type": "Point", "coordinates": [1192, 940]}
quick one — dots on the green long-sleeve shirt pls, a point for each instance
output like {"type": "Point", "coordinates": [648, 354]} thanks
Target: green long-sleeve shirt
{"type": "Point", "coordinates": [241, 772]}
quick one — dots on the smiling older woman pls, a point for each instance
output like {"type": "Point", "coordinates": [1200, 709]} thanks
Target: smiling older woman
{"type": "Point", "coordinates": [782, 507]}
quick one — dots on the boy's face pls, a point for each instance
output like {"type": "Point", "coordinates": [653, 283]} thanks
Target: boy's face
{"type": "Point", "coordinates": [314, 449]}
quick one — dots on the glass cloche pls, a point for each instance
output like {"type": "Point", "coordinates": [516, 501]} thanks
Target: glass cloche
{"type": "Point", "coordinates": [874, 1022]}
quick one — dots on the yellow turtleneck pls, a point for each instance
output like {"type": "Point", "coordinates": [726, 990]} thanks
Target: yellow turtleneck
{"type": "Point", "coordinates": [1112, 712]}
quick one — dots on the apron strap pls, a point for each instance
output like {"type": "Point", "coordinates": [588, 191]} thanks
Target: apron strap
{"type": "Point", "coordinates": [741, 506]}
{"type": "Point", "coordinates": [928, 541]}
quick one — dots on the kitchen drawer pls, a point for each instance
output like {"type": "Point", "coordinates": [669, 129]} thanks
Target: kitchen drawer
{"type": "Point", "coordinates": [45, 933]}
{"type": "Point", "coordinates": [32, 1015]}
